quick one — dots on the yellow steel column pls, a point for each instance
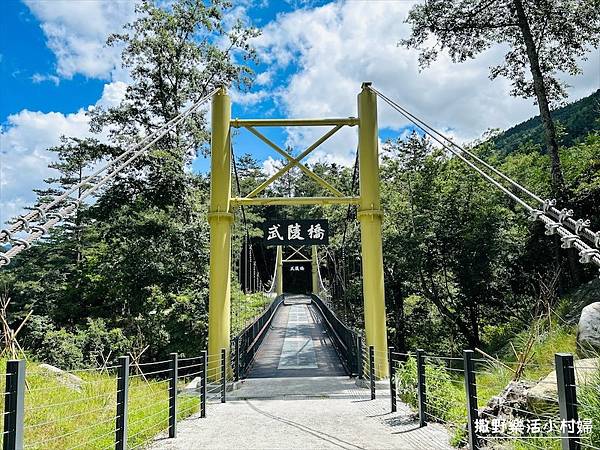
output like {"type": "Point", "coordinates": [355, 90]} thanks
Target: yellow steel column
{"type": "Point", "coordinates": [370, 215]}
{"type": "Point", "coordinates": [315, 271]}
{"type": "Point", "coordinates": [220, 219]}
{"type": "Point", "coordinates": [279, 273]}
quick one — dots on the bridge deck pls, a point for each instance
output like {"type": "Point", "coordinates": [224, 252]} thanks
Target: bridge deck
{"type": "Point", "coordinates": [297, 344]}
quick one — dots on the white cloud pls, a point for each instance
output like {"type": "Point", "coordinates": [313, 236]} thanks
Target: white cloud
{"type": "Point", "coordinates": [248, 98]}
{"type": "Point", "coordinates": [39, 78]}
{"type": "Point", "coordinates": [271, 166]}
{"type": "Point", "coordinates": [76, 32]}
{"type": "Point", "coordinates": [336, 47]}
{"type": "Point", "coordinates": [24, 141]}
{"type": "Point", "coordinates": [112, 94]}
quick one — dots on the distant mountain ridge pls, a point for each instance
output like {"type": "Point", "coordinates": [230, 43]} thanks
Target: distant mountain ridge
{"type": "Point", "coordinates": [575, 120]}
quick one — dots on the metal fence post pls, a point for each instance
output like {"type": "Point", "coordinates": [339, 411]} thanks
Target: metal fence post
{"type": "Point", "coordinates": [173, 372]}
{"type": "Point", "coordinates": [421, 387]}
{"type": "Point", "coordinates": [122, 395]}
{"type": "Point", "coordinates": [359, 357]}
{"type": "Point", "coordinates": [392, 377]}
{"type": "Point", "coordinates": [203, 379]}
{"type": "Point", "coordinates": [567, 400]}
{"type": "Point", "coordinates": [14, 401]}
{"type": "Point", "coordinates": [372, 370]}
{"type": "Point", "coordinates": [236, 364]}
{"type": "Point", "coordinates": [471, 392]}
{"type": "Point", "coordinates": [223, 374]}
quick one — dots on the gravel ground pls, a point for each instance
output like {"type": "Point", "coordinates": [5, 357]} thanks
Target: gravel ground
{"type": "Point", "coordinates": [300, 413]}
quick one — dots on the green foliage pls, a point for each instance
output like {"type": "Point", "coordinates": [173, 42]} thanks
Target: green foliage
{"type": "Point", "coordinates": [444, 393]}
{"type": "Point", "coordinates": [62, 349]}
{"type": "Point", "coordinates": [589, 398]}
{"type": "Point", "coordinates": [466, 28]}
{"type": "Point", "coordinates": [578, 120]}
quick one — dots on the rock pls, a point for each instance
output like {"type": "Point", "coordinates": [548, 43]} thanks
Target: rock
{"type": "Point", "coordinates": [511, 402]}
{"type": "Point", "coordinates": [193, 386]}
{"type": "Point", "coordinates": [543, 397]}
{"type": "Point", "coordinates": [68, 379]}
{"type": "Point", "coordinates": [588, 331]}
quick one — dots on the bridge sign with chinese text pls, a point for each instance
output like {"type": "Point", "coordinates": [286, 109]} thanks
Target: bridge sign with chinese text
{"type": "Point", "coordinates": [296, 232]}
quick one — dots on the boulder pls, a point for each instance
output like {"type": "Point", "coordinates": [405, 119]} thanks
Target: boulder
{"type": "Point", "coordinates": [588, 331]}
{"type": "Point", "coordinates": [511, 402]}
{"type": "Point", "coordinates": [68, 379]}
{"type": "Point", "coordinates": [543, 397]}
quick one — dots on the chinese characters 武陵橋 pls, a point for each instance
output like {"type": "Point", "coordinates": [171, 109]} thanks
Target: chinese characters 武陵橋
{"type": "Point", "coordinates": [296, 232]}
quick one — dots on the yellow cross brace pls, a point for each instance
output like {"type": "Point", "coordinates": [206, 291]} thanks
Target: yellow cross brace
{"type": "Point", "coordinates": [296, 251]}
{"type": "Point", "coordinates": [296, 161]}
{"type": "Point", "coordinates": [293, 162]}
{"type": "Point", "coordinates": [263, 201]}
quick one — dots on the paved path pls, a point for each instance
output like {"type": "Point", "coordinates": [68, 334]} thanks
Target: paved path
{"type": "Point", "coordinates": [304, 413]}
{"type": "Point", "coordinates": [297, 344]}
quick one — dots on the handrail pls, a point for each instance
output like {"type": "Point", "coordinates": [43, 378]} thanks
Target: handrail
{"type": "Point", "coordinates": [345, 340]}
{"type": "Point", "coordinates": [251, 337]}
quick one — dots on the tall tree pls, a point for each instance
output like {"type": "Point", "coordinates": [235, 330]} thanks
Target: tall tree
{"type": "Point", "coordinates": [175, 52]}
{"type": "Point", "coordinates": [545, 37]}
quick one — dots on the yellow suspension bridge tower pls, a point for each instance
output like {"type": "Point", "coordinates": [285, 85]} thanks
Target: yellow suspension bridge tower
{"type": "Point", "coordinates": [368, 201]}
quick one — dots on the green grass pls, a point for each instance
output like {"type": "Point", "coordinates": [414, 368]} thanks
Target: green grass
{"type": "Point", "coordinates": [59, 417]}
{"type": "Point", "coordinates": [446, 394]}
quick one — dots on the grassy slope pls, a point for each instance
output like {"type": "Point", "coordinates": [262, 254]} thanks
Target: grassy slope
{"type": "Point", "coordinates": [446, 395]}
{"type": "Point", "coordinates": [59, 417]}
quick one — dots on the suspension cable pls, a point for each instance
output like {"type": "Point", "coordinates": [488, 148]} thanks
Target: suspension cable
{"type": "Point", "coordinates": [564, 216]}
{"type": "Point", "coordinates": [51, 218]}
{"type": "Point", "coordinates": [348, 211]}
{"type": "Point", "coordinates": [248, 249]}
{"type": "Point", "coordinates": [587, 254]}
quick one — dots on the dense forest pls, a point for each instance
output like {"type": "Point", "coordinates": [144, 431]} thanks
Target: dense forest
{"type": "Point", "coordinates": [463, 264]}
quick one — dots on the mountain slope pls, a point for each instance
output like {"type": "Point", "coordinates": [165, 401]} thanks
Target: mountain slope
{"type": "Point", "coordinates": [574, 121]}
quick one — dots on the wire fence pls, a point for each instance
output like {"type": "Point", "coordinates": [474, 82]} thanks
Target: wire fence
{"type": "Point", "coordinates": [486, 403]}
{"type": "Point", "coordinates": [122, 406]}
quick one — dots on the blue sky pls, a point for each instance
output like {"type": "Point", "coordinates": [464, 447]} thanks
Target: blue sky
{"type": "Point", "coordinates": [313, 57]}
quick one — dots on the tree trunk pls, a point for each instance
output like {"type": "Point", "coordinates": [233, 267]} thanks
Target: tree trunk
{"type": "Point", "coordinates": [558, 182]}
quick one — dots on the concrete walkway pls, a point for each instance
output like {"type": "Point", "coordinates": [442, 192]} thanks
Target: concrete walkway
{"type": "Point", "coordinates": [305, 413]}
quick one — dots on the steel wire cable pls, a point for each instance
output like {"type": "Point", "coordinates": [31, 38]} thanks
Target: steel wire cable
{"type": "Point", "coordinates": [70, 402]}
{"type": "Point", "coordinates": [61, 419]}
{"type": "Point", "coordinates": [158, 422]}
{"type": "Point", "coordinates": [64, 435]}
{"type": "Point", "coordinates": [190, 375]}
{"type": "Point", "coordinates": [578, 226]}
{"type": "Point", "coordinates": [162, 408]}
{"type": "Point", "coordinates": [37, 231]}
{"type": "Point", "coordinates": [586, 253]}
{"type": "Point", "coordinates": [587, 445]}
{"type": "Point", "coordinates": [145, 374]}
{"type": "Point", "coordinates": [39, 212]}
{"type": "Point", "coordinates": [97, 438]}
{"type": "Point", "coordinates": [146, 396]}
{"type": "Point", "coordinates": [151, 363]}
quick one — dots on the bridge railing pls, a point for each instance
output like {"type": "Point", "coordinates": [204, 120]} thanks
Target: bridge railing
{"type": "Point", "coordinates": [120, 406]}
{"type": "Point", "coordinates": [346, 341]}
{"type": "Point", "coordinates": [246, 344]}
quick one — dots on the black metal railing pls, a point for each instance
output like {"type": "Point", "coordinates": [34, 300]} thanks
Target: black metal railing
{"type": "Point", "coordinates": [121, 406]}
{"type": "Point", "coordinates": [246, 344]}
{"type": "Point", "coordinates": [480, 424]}
{"type": "Point", "coordinates": [346, 341]}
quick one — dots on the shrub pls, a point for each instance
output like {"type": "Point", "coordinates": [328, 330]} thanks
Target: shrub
{"type": "Point", "coordinates": [61, 349]}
